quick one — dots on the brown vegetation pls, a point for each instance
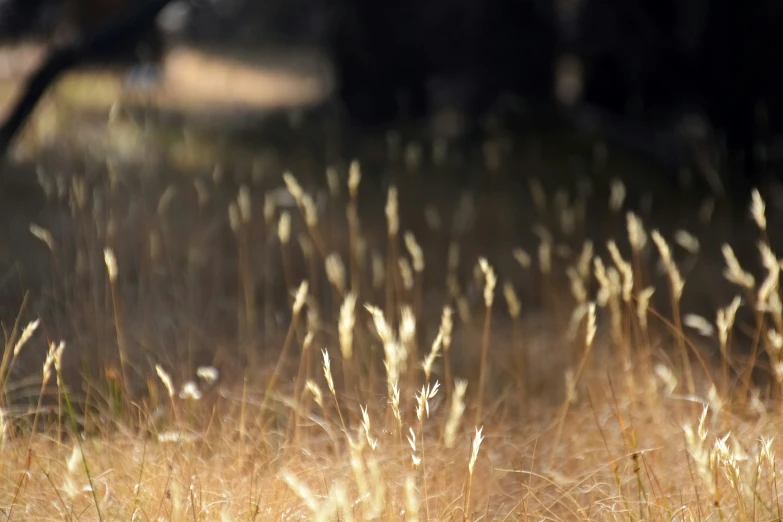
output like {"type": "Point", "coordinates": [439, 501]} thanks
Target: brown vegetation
{"type": "Point", "coordinates": [240, 340]}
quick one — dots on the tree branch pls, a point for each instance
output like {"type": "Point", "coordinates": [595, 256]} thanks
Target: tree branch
{"type": "Point", "coordinates": [108, 40]}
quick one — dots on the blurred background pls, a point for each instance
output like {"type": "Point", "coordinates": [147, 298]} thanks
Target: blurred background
{"type": "Point", "coordinates": [692, 82]}
{"type": "Point", "coordinates": [469, 107]}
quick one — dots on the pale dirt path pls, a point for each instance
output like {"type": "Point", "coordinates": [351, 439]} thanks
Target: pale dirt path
{"type": "Point", "coordinates": [194, 80]}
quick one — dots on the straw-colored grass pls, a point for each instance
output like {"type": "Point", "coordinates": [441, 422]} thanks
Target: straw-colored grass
{"type": "Point", "coordinates": [244, 344]}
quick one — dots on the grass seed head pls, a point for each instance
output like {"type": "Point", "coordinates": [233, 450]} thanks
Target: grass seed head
{"type": "Point", "coordinates": [416, 460]}
{"type": "Point", "coordinates": [301, 490]}
{"type": "Point", "coordinates": [758, 210]}
{"type": "Point", "coordinates": [310, 211]}
{"type": "Point", "coordinates": [725, 320]}
{"type": "Point", "coordinates": [111, 263]}
{"type": "Point", "coordinates": [605, 287]}
{"type": "Point", "coordinates": [477, 440]}
{"type": "Point", "coordinates": [75, 460]}
{"type": "Point", "coordinates": [569, 378]}
{"type": "Point", "coordinates": [666, 375]}
{"type": "Point", "coordinates": [328, 371]}
{"type": "Point", "coordinates": [415, 251]}
{"type": "Point", "coordinates": [354, 178]}
{"type": "Point", "coordinates": [346, 325]}
{"type": "Point", "coordinates": [381, 326]}
{"type": "Point", "coordinates": [335, 271]}
{"type": "Point", "coordinates": [406, 274]}
{"type": "Point", "coordinates": [543, 233]}
{"type": "Point", "coordinates": [700, 324]}
{"type": "Point", "coordinates": [490, 280]}
{"type": "Point", "coordinates": [284, 228]}
{"type": "Point", "coordinates": [577, 285]}
{"type": "Point", "coordinates": [430, 359]}
{"type": "Point", "coordinates": [643, 304]}
{"type": "Point", "coordinates": [766, 453]}
{"type": "Point", "coordinates": [734, 272]}
{"type": "Point", "coordinates": [217, 174]}
{"type": "Point", "coordinates": [293, 187]}
{"type": "Point", "coordinates": [165, 379]}
{"type": "Point", "coordinates": [392, 217]}
{"type": "Point", "coordinates": [591, 326]}
{"type": "Point", "coordinates": [637, 236]}
{"type": "Point", "coordinates": [423, 400]}
{"type": "Point", "coordinates": [190, 391]}
{"type": "Point", "coordinates": [58, 359]}
{"type": "Point", "coordinates": [770, 283]}
{"type": "Point", "coordinates": [306, 246]}
{"type": "Point", "coordinates": [617, 195]}
{"type": "Point", "coordinates": [663, 247]}
{"type": "Point", "coordinates": [53, 356]}
{"type": "Point", "coordinates": [233, 217]}
{"type": "Point", "coordinates": [463, 309]}
{"type": "Point", "coordinates": [333, 181]}
{"type": "Point", "coordinates": [43, 235]}
{"type": "Point", "coordinates": [270, 208]}
{"type": "Point", "coordinates": [395, 402]}
{"type": "Point", "coordinates": [579, 312]}
{"type": "Point", "coordinates": [585, 258]}
{"type": "Point", "coordinates": [373, 443]}
{"type": "Point", "coordinates": [154, 245]}
{"type": "Point", "coordinates": [446, 327]}
{"type": "Point", "coordinates": [673, 272]}
{"type": "Point", "coordinates": [687, 241]}
{"type": "Point", "coordinates": [27, 333]}
{"type": "Point", "coordinates": [299, 299]}
{"type": "Point", "coordinates": [521, 257]}
{"type": "Point", "coordinates": [705, 464]}
{"type": "Point", "coordinates": [165, 200]}
{"type": "Point", "coordinates": [315, 390]}
{"type": "Point", "coordinates": [244, 203]}
{"type": "Point", "coordinates": [209, 374]}
{"type": "Point", "coordinates": [393, 356]}
{"type": "Point", "coordinates": [775, 340]}
{"type": "Point", "coordinates": [455, 412]}
{"type": "Point", "coordinates": [512, 301]}
{"type": "Point", "coordinates": [307, 341]}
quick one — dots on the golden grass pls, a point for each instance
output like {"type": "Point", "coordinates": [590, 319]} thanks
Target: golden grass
{"type": "Point", "coordinates": [367, 367]}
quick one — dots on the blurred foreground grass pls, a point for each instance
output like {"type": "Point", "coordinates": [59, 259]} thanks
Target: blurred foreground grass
{"type": "Point", "coordinates": [549, 335]}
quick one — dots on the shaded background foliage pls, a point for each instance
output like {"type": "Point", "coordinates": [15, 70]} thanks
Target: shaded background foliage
{"type": "Point", "coordinates": [681, 83]}
{"type": "Point", "coordinates": [628, 68]}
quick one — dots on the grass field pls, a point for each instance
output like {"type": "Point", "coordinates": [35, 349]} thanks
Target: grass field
{"type": "Point", "coordinates": [342, 331]}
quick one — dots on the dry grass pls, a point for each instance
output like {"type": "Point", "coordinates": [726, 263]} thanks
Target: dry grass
{"type": "Point", "coordinates": [368, 366]}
